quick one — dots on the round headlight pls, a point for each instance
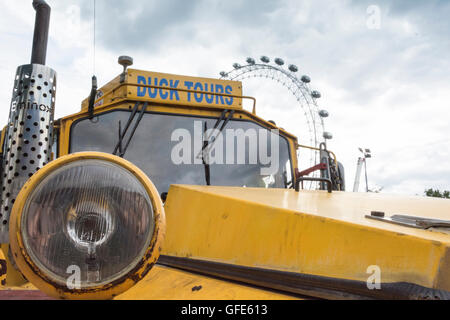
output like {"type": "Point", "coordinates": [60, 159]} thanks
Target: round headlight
{"type": "Point", "coordinates": [87, 225]}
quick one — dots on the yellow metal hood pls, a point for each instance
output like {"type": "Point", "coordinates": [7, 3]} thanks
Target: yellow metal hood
{"type": "Point", "coordinates": [309, 242]}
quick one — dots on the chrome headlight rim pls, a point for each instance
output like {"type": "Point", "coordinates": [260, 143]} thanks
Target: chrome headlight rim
{"type": "Point", "coordinates": [43, 280]}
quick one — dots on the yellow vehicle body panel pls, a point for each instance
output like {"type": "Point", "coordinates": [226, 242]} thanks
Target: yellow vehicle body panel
{"type": "Point", "coordinates": [274, 236]}
{"type": "Point", "coordinates": [307, 232]}
{"type": "Point", "coordinates": [9, 276]}
{"type": "Point", "coordinates": [3, 268]}
{"type": "Point", "coordinates": [165, 283]}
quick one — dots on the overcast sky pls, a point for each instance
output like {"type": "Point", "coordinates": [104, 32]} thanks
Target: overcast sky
{"type": "Point", "coordinates": [385, 82]}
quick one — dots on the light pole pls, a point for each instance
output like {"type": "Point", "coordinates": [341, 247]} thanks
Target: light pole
{"type": "Point", "coordinates": [366, 154]}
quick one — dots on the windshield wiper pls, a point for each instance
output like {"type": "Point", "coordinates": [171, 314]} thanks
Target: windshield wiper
{"type": "Point", "coordinates": [207, 145]}
{"type": "Point", "coordinates": [118, 147]}
{"type": "Point", "coordinates": [204, 155]}
{"type": "Point", "coordinates": [212, 139]}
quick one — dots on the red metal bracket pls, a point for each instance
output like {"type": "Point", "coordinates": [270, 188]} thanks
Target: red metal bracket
{"type": "Point", "coordinates": [320, 166]}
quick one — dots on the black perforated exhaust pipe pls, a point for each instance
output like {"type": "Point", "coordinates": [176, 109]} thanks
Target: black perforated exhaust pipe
{"type": "Point", "coordinates": [40, 37]}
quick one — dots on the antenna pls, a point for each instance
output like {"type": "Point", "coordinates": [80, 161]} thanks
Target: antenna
{"type": "Point", "coordinates": [93, 72]}
{"type": "Point", "coordinates": [93, 93]}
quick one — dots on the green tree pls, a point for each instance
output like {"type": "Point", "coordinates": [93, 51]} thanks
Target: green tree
{"type": "Point", "coordinates": [437, 194]}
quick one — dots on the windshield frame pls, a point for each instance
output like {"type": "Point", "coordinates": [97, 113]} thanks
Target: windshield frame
{"type": "Point", "coordinates": [69, 123]}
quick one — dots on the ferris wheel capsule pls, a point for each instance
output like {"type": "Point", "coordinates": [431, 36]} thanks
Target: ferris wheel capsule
{"type": "Point", "coordinates": [265, 59]}
{"type": "Point", "coordinates": [316, 94]}
{"type": "Point", "coordinates": [292, 68]}
{"type": "Point", "coordinates": [279, 61]}
{"type": "Point", "coordinates": [236, 65]}
{"type": "Point", "coordinates": [250, 61]}
{"type": "Point", "coordinates": [327, 135]}
{"type": "Point", "coordinates": [323, 113]}
{"type": "Point", "coordinates": [305, 79]}
{"type": "Point", "coordinates": [223, 74]}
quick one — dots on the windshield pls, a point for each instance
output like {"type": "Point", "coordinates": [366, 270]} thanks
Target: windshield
{"type": "Point", "coordinates": [168, 148]}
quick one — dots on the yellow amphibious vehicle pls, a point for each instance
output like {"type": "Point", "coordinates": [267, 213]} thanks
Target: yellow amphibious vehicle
{"type": "Point", "coordinates": [164, 187]}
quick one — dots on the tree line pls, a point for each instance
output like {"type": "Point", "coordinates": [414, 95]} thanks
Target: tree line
{"type": "Point", "coordinates": [437, 194]}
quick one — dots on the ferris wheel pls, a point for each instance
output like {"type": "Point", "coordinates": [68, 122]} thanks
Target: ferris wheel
{"type": "Point", "coordinates": [299, 86]}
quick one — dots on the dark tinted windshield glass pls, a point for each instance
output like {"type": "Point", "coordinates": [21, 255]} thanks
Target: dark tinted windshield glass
{"type": "Point", "coordinates": [168, 149]}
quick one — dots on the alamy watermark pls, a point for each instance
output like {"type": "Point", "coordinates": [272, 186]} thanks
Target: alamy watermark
{"type": "Point", "coordinates": [229, 146]}
{"type": "Point", "coordinates": [74, 280]}
{"type": "Point", "coordinates": [374, 280]}
{"type": "Point", "coordinates": [373, 21]}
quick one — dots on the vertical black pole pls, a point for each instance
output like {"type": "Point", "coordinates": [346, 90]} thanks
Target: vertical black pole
{"type": "Point", "coordinates": [40, 37]}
